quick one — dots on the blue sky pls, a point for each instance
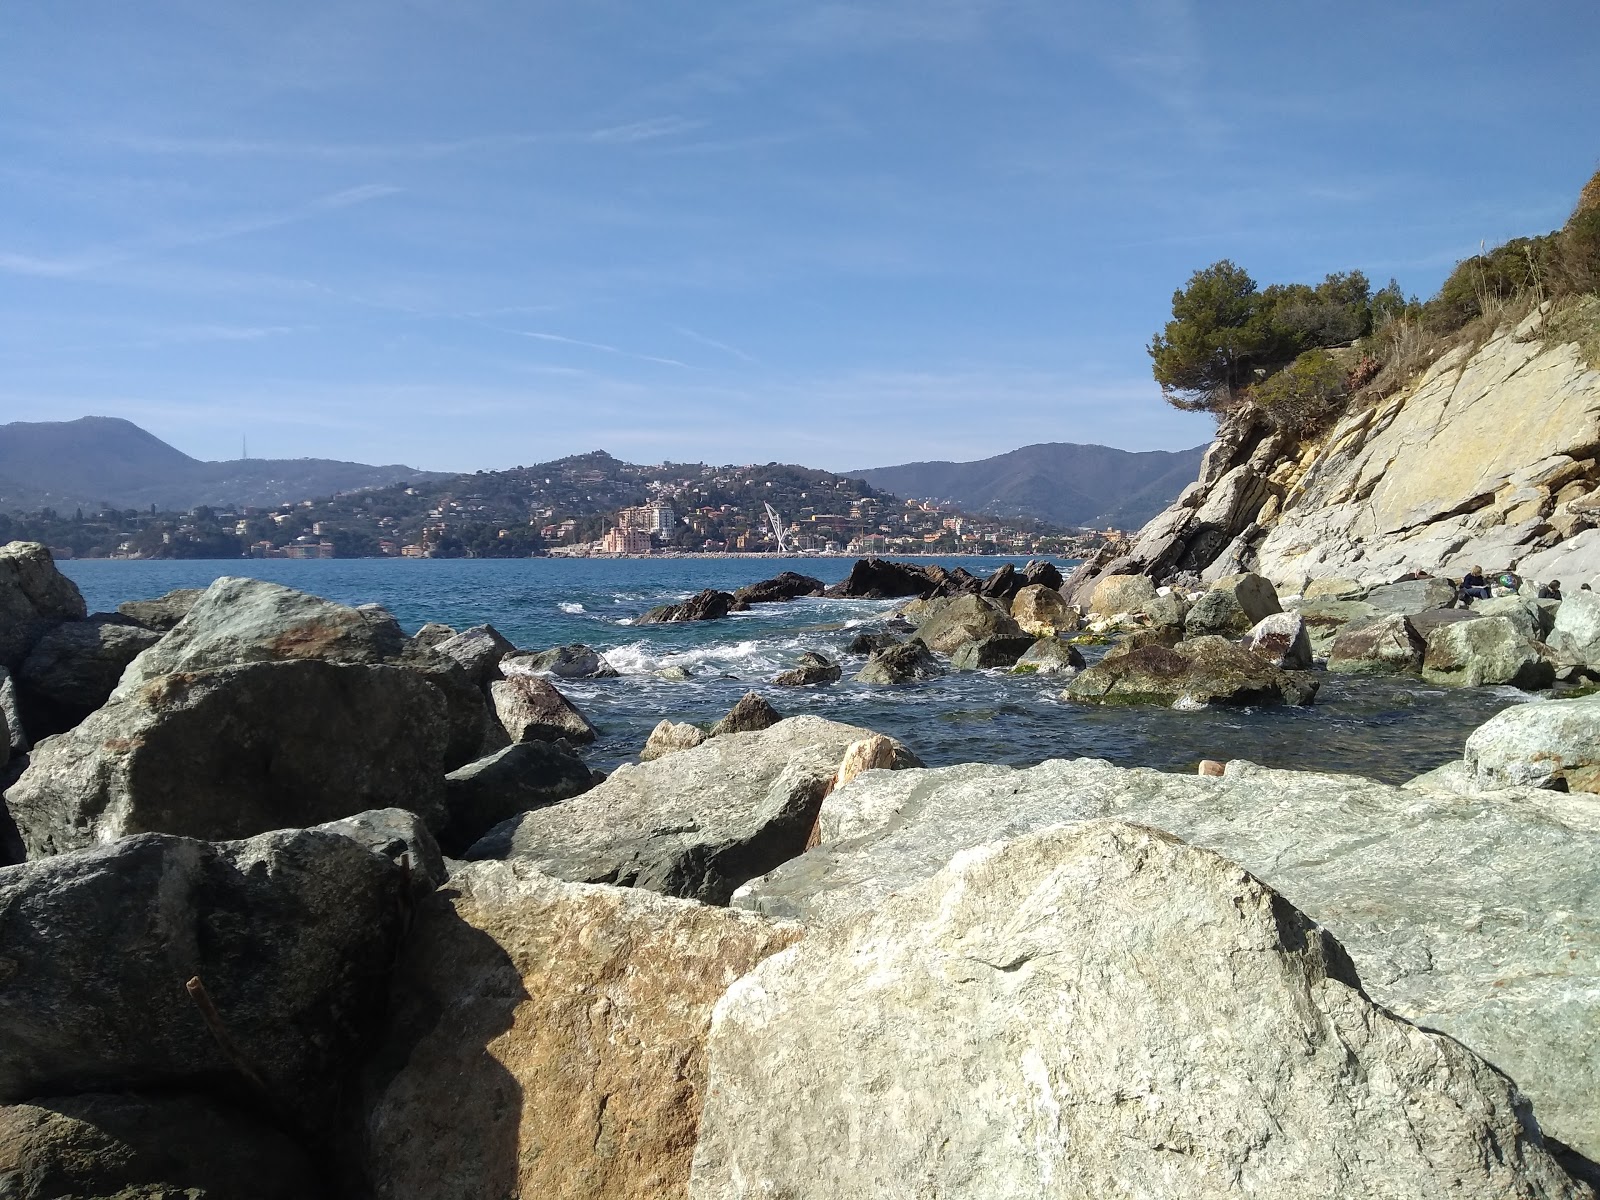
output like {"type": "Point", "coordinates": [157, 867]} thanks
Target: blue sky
{"type": "Point", "coordinates": [467, 233]}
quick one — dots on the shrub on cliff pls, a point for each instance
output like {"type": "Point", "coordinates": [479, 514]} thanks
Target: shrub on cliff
{"type": "Point", "coordinates": [1305, 395]}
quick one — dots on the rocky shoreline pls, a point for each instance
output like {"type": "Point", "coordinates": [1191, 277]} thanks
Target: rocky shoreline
{"type": "Point", "coordinates": [302, 905]}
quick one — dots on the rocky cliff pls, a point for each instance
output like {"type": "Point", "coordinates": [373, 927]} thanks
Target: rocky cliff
{"type": "Point", "coordinates": [1490, 455]}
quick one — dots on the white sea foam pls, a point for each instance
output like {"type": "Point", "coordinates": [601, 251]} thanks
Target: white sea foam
{"type": "Point", "coordinates": [570, 606]}
{"type": "Point", "coordinates": [745, 659]}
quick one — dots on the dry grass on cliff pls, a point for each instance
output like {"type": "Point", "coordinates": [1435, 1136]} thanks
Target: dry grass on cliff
{"type": "Point", "coordinates": [1577, 321]}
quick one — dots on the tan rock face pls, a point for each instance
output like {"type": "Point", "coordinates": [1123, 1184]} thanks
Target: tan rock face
{"type": "Point", "coordinates": [1041, 611]}
{"type": "Point", "coordinates": [1121, 593]}
{"type": "Point", "coordinates": [550, 1040]}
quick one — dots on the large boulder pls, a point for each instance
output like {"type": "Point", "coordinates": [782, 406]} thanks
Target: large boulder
{"type": "Point", "coordinates": [517, 779]}
{"type": "Point", "coordinates": [73, 669]}
{"type": "Point", "coordinates": [291, 935]}
{"type": "Point", "coordinates": [1099, 1010]}
{"type": "Point", "coordinates": [1326, 619]}
{"type": "Point", "coordinates": [909, 662]}
{"type": "Point", "coordinates": [1116, 594]}
{"type": "Point", "coordinates": [866, 643]}
{"type": "Point", "coordinates": [1282, 640]}
{"type": "Point", "coordinates": [549, 1039]}
{"type": "Point", "coordinates": [236, 751]}
{"type": "Point", "coordinates": [786, 585]}
{"type": "Point", "coordinates": [1575, 633]}
{"type": "Point", "coordinates": [706, 605]}
{"type": "Point", "coordinates": [1547, 744]}
{"type": "Point", "coordinates": [164, 612]}
{"type": "Point", "coordinates": [564, 662]}
{"type": "Point", "coordinates": [1474, 915]}
{"type": "Point", "coordinates": [1003, 584]}
{"type": "Point", "coordinates": [1490, 650]}
{"type": "Point", "coordinates": [1050, 656]}
{"type": "Point", "coordinates": [879, 579]}
{"type": "Point", "coordinates": [531, 709]}
{"type": "Point", "coordinates": [477, 651]}
{"type": "Point", "coordinates": [999, 650]}
{"type": "Point", "coordinates": [668, 737]}
{"type": "Point", "coordinates": [1040, 572]}
{"type": "Point", "coordinates": [1041, 611]}
{"type": "Point", "coordinates": [965, 619]}
{"type": "Point", "coordinates": [749, 714]}
{"type": "Point", "coordinates": [147, 1147]}
{"type": "Point", "coordinates": [695, 824]}
{"type": "Point", "coordinates": [1533, 618]}
{"type": "Point", "coordinates": [1383, 646]}
{"type": "Point", "coordinates": [34, 596]}
{"type": "Point", "coordinates": [433, 633]}
{"type": "Point", "coordinates": [1412, 596]}
{"type": "Point", "coordinates": [1192, 674]}
{"type": "Point", "coordinates": [1231, 607]}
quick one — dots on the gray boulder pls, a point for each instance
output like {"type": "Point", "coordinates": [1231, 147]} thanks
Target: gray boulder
{"type": "Point", "coordinates": [235, 751]}
{"type": "Point", "coordinates": [1050, 656]}
{"type": "Point", "coordinates": [694, 824]}
{"type": "Point", "coordinates": [1546, 744]}
{"type": "Point", "coordinates": [1490, 650]}
{"type": "Point", "coordinates": [706, 605]}
{"type": "Point", "coordinates": [909, 662]}
{"type": "Point", "coordinates": [1471, 915]}
{"type": "Point", "coordinates": [162, 613]}
{"type": "Point", "coordinates": [431, 634]}
{"type": "Point", "coordinates": [965, 619]}
{"type": "Point", "coordinates": [34, 596]}
{"type": "Point", "coordinates": [518, 779]}
{"type": "Point", "coordinates": [291, 934]}
{"type": "Point", "coordinates": [564, 662]}
{"type": "Point", "coordinates": [477, 651]}
{"type": "Point", "coordinates": [1383, 646]}
{"type": "Point", "coordinates": [750, 715]}
{"type": "Point", "coordinates": [132, 1146]}
{"type": "Point", "coordinates": [399, 836]}
{"type": "Point", "coordinates": [813, 669]}
{"type": "Point", "coordinates": [1411, 596]}
{"type": "Point", "coordinates": [668, 737]}
{"type": "Point", "coordinates": [1281, 639]}
{"type": "Point", "coordinates": [1232, 607]}
{"type": "Point", "coordinates": [999, 650]}
{"type": "Point", "coordinates": [1194, 673]}
{"type": "Point", "coordinates": [1534, 618]}
{"type": "Point", "coordinates": [1099, 1010]}
{"type": "Point", "coordinates": [1326, 619]}
{"type": "Point", "coordinates": [1115, 594]}
{"type": "Point", "coordinates": [73, 669]}
{"type": "Point", "coordinates": [1575, 633]}
{"type": "Point", "coordinates": [1429, 619]}
{"type": "Point", "coordinates": [866, 643]}
{"type": "Point", "coordinates": [531, 709]}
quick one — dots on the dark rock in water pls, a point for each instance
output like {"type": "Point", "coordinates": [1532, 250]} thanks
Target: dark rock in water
{"type": "Point", "coordinates": [866, 643]}
{"type": "Point", "coordinates": [531, 709]}
{"type": "Point", "coordinates": [786, 585]}
{"type": "Point", "coordinates": [151, 1146]}
{"type": "Point", "coordinates": [707, 605]}
{"type": "Point", "coordinates": [477, 651]}
{"type": "Point", "coordinates": [749, 715]}
{"type": "Point", "coordinates": [959, 582]}
{"type": "Point", "coordinates": [1412, 596]}
{"type": "Point", "coordinates": [291, 933]}
{"type": "Point", "coordinates": [880, 579]}
{"type": "Point", "coordinates": [1206, 670]}
{"type": "Point", "coordinates": [432, 634]}
{"type": "Point", "coordinates": [1384, 646]}
{"type": "Point", "coordinates": [73, 669]}
{"type": "Point", "coordinates": [697, 823]}
{"type": "Point", "coordinates": [234, 751]}
{"type": "Point", "coordinates": [909, 662]}
{"type": "Point", "coordinates": [33, 597]}
{"type": "Point", "coordinates": [1043, 573]}
{"type": "Point", "coordinates": [162, 613]}
{"type": "Point", "coordinates": [518, 779]}
{"type": "Point", "coordinates": [1003, 584]}
{"type": "Point", "coordinates": [813, 669]}
{"type": "Point", "coordinates": [967, 619]}
{"type": "Point", "coordinates": [399, 836]}
{"type": "Point", "coordinates": [1000, 650]}
{"type": "Point", "coordinates": [564, 662]}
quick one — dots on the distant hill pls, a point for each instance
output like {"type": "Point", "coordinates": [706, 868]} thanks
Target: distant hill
{"type": "Point", "coordinates": [81, 464]}
{"type": "Point", "coordinates": [1060, 482]}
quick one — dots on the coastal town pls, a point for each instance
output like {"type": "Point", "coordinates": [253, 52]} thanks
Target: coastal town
{"type": "Point", "coordinates": [590, 505]}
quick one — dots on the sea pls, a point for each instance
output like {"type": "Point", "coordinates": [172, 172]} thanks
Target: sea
{"type": "Point", "coordinates": [1387, 729]}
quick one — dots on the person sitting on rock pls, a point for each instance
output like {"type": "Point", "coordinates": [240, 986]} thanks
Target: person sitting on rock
{"type": "Point", "coordinates": [1551, 590]}
{"type": "Point", "coordinates": [1473, 585]}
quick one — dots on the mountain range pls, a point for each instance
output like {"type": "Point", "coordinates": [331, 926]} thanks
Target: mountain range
{"type": "Point", "coordinates": [105, 460]}
{"type": "Point", "coordinates": [1064, 483]}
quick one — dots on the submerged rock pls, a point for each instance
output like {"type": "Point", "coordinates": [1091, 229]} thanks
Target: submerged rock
{"type": "Point", "coordinates": [1252, 1046]}
{"type": "Point", "coordinates": [695, 824]}
{"type": "Point", "coordinates": [909, 662]}
{"type": "Point", "coordinates": [1415, 885]}
{"type": "Point", "coordinates": [966, 619]}
{"type": "Point", "coordinates": [1050, 656]}
{"type": "Point", "coordinates": [814, 669]}
{"type": "Point", "coordinates": [564, 662]}
{"type": "Point", "coordinates": [550, 1039]}
{"type": "Point", "coordinates": [236, 751]}
{"type": "Point", "coordinates": [707, 605]}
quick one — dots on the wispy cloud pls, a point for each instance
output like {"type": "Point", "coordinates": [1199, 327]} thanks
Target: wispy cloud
{"type": "Point", "coordinates": [714, 344]}
{"type": "Point", "coordinates": [601, 346]}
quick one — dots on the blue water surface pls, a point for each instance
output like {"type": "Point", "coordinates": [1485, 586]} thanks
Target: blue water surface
{"type": "Point", "coordinates": [1388, 729]}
